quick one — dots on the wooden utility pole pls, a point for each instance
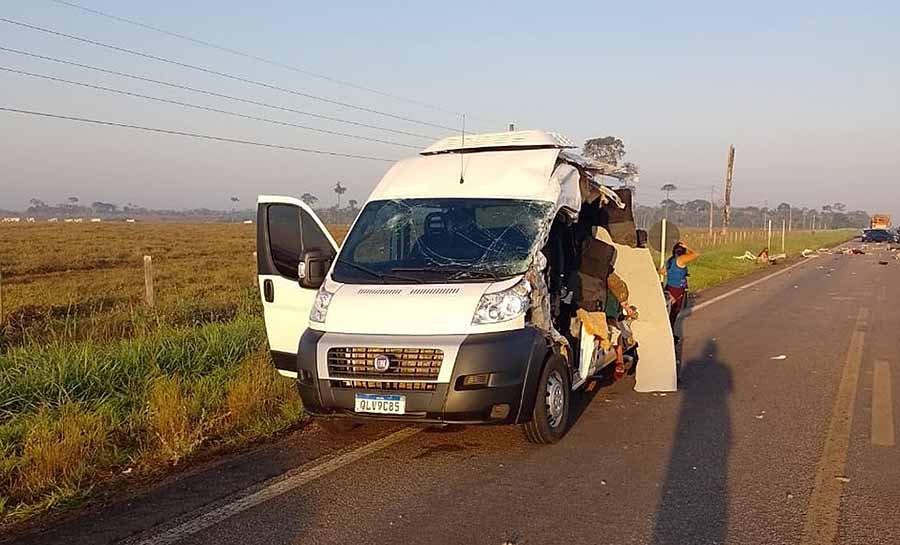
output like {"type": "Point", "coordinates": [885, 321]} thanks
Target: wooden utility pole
{"type": "Point", "coordinates": [729, 173]}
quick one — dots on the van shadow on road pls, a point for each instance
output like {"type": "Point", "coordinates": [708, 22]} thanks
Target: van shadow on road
{"type": "Point", "coordinates": [693, 506]}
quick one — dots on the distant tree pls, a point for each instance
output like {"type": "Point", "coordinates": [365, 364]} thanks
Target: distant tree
{"type": "Point", "coordinates": [37, 204]}
{"type": "Point", "coordinates": [73, 201]}
{"type": "Point", "coordinates": [235, 200]}
{"type": "Point", "coordinates": [339, 190]}
{"type": "Point", "coordinates": [668, 188]}
{"type": "Point", "coordinates": [607, 149]}
{"type": "Point", "coordinates": [103, 207]}
{"type": "Point", "coordinates": [353, 203]}
{"type": "Point", "coordinates": [827, 208]}
{"type": "Point", "coordinates": [699, 208]}
{"type": "Point", "coordinates": [784, 208]}
{"type": "Point", "coordinates": [309, 199]}
{"type": "Point", "coordinates": [631, 173]}
{"type": "Point", "coordinates": [839, 207]}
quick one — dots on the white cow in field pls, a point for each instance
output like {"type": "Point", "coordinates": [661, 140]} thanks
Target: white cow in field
{"type": "Point", "coordinates": [129, 220]}
{"type": "Point", "coordinates": [52, 220]}
{"type": "Point", "coordinates": [96, 220]}
{"type": "Point", "coordinates": [29, 220]}
{"type": "Point", "coordinates": [68, 220]}
{"type": "Point", "coordinates": [78, 220]}
{"type": "Point", "coordinates": [248, 222]}
{"type": "Point", "coordinates": [12, 220]}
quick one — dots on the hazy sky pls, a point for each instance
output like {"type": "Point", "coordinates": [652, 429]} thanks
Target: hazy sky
{"type": "Point", "coordinates": [809, 93]}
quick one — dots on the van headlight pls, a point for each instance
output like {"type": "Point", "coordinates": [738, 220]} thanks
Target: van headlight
{"type": "Point", "coordinates": [320, 305]}
{"type": "Point", "coordinates": [503, 305]}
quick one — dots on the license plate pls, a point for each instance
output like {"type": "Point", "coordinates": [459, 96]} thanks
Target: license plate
{"type": "Point", "coordinates": [381, 404]}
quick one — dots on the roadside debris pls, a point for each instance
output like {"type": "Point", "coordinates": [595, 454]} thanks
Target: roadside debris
{"type": "Point", "coordinates": [851, 251]}
{"type": "Point", "coordinates": [882, 262]}
{"type": "Point", "coordinates": [779, 357]}
{"type": "Point", "coordinates": [762, 257]}
{"type": "Point", "coordinates": [842, 478]}
{"type": "Point", "coordinates": [806, 253]}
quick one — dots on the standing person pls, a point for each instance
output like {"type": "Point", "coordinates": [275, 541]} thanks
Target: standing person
{"type": "Point", "coordinates": [677, 278]}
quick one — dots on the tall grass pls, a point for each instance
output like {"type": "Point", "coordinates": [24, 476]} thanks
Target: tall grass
{"type": "Point", "coordinates": [73, 413]}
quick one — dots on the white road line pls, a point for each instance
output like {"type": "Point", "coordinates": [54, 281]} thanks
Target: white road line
{"type": "Point", "coordinates": [822, 515]}
{"type": "Point", "coordinates": [744, 287]}
{"type": "Point", "coordinates": [281, 485]}
{"type": "Point", "coordinates": [882, 406]}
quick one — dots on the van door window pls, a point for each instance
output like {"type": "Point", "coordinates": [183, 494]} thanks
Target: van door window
{"type": "Point", "coordinates": [285, 238]}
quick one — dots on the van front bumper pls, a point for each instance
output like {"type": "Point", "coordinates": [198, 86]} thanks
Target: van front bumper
{"type": "Point", "coordinates": [512, 359]}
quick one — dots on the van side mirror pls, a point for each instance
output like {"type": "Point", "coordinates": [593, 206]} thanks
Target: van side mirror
{"type": "Point", "coordinates": [642, 238]}
{"type": "Point", "coordinates": [312, 268]}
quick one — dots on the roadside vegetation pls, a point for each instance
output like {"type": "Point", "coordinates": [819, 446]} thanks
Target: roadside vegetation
{"type": "Point", "coordinates": [717, 263]}
{"type": "Point", "coordinates": [94, 385]}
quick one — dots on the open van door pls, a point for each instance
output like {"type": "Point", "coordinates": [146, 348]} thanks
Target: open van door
{"type": "Point", "coordinates": [294, 252]}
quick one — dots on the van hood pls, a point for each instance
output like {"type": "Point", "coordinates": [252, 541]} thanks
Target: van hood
{"type": "Point", "coordinates": [420, 309]}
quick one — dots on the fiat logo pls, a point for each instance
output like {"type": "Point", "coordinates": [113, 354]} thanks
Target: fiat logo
{"type": "Point", "coordinates": [382, 363]}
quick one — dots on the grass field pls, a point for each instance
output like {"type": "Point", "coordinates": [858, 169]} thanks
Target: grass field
{"type": "Point", "coordinates": [717, 264]}
{"type": "Point", "coordinates": [92, 383]}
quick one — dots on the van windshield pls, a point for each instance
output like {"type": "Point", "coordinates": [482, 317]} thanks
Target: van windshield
{"type": "Point", "coordinates": [441, 240]}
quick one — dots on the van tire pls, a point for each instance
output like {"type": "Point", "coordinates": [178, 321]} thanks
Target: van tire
{"type": "Point", "coordinates": [336, 425]}
{"type": "Point", "coordinates": [548, 424]}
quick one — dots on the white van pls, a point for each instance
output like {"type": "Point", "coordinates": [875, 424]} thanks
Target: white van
{"type": "Point", "coordinates": [450, 298]}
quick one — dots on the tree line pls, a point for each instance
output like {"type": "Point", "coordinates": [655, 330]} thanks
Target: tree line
{"type": "Point", "coordinates": [696, 213]}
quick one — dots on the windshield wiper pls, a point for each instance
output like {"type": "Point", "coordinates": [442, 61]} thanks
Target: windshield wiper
{"type": "Point", "coordinates": [455, 273]}
{"type": "Point", "coordinates": [378, 275]}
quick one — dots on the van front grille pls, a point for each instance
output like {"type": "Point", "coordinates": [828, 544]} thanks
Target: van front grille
{"type": "Point", "coordinates": [377, 385]}
{"type": "Point", "coordinates": [405, 363]}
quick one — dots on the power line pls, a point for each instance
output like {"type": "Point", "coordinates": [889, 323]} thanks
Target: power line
{"type": "Point", "coordinates": [199, 107]}
{"type": "Point", "coordinates": [256, 57]}
{"type": "Point", "coordinates": [223, 74]}
{"type": "Point", "coordinates": [213, 93]}
{"type": "Point", "coordinates": [195, 135]}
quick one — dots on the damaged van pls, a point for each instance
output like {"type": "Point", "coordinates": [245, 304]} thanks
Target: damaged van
{"type": "Point", "coordinates": [451, 299]}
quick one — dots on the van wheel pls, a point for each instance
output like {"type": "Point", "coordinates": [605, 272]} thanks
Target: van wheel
{"type": "Point", "coordinates": [550, 416]}
{"type": "Point", "coordinates": [336, 426]}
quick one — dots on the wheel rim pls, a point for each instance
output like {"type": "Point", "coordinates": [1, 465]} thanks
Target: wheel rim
{"type": "Point", "coordinates": [556, 399]}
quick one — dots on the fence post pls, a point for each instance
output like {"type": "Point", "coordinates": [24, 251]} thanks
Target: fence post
{"type": "Point", "coordinates": [148, 281]}
{"type": "Point", "coordinates": [1, 296]}
{"type": "Point", "coordinates": [769, 236]}
{"type": "Point", "coordinates": [715, 241]}
{"type": "Point", "coordinates": [782, 236]}
{"type": "Point", "coordinates": [255, 277]}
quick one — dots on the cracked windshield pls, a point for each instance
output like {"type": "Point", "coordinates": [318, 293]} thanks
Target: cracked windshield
{"type": "Point", "coordinates": [441, 240]}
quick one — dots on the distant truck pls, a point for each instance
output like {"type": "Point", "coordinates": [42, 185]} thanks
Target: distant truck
{"type": "Point", "coordinates": [880, 221]}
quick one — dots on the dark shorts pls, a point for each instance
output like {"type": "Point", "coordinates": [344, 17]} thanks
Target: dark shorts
{"type": "Point", "coordinates": [678, 296]}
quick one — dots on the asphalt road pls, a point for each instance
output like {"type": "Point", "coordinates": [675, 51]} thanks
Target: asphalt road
{"type": "Point", "coordinates": [755, 448]}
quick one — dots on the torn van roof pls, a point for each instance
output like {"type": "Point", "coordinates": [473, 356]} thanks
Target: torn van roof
{"type": "Point", "coordinates": [499, 141]}
{"type": "Point", "coordinates": [520, 174]}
